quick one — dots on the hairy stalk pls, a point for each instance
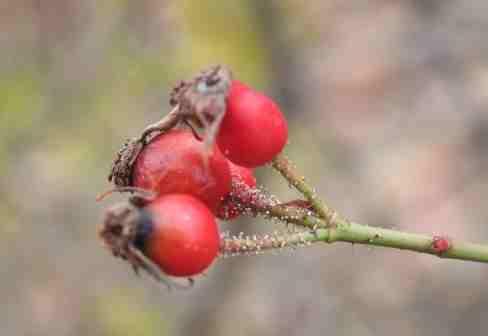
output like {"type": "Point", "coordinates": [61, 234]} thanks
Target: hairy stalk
{"type": "Point", "coordinates": [251, 245]}
{"type": "Point", "coordinates": [345, 231]}
{"type": "Point", "coordinates": [332, 227]}
{"type": "Point", "coordinates": [290, 215]}
{"type": "Point", "coordinates": [285, 168]}
{"type": "Point", "coordinates": [255, 201]}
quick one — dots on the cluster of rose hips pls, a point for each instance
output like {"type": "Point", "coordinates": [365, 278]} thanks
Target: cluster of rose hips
{"type": "Point", "coordinates": [193, 166]}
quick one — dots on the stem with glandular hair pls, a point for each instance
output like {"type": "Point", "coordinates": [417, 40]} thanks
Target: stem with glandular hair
{"type": "Point", "coordinates": [344, 231]}
{"type": "Point", "coordinates": [285, 168]}
{"type": "Point", "coordinates": [324, 224]}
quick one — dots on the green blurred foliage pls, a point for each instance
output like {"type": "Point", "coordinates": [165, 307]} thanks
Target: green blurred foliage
{"type": "Point", "coordinates": [21, 109]}
{"type": "Point", "coordinates": [223, 32]}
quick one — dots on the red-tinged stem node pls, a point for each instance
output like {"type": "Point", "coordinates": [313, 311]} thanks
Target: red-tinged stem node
{"type": "Point", "coordinates": [441, 244]}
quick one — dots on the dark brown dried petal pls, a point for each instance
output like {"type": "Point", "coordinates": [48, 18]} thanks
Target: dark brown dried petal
{"type": "Point", "coordinates": [121, 173]}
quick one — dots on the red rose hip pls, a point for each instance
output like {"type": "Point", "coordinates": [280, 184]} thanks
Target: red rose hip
{"type": "Point", "coordinates": [176, 162]}
{"type": "Point", "coordinates": [179, 234]}
{"type": "Point", "coordinates": [253, 130]}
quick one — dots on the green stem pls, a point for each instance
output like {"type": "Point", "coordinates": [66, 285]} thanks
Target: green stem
{"type": "Point", "coordinates": [332, 227]}
{"type": "Point", "coordinates": [285, 168]}
{"type": "Point", "coordinates": [344, 231]}
{"type": "Point", "coordinates": [363, 234]}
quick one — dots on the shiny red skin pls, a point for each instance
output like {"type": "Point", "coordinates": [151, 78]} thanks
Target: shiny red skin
{"type": "Point", "coordinates": [253, 130]}
{"type": "Point", "coordinates": [184, 238]}
{"type": "Point", "coordinates": [242, 178]}
{"type": "Point", "coordinates": [174, 162]}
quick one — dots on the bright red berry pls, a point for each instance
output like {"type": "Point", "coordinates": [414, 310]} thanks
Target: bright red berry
{"type": "Point", "coordinates": [253, 130]}
{"type": "Point", "coordinates": [176, 162]}
{"type": "Point", "coordinates": [179, 234]}
{"type": "Point", "coordinates": [242, 180]}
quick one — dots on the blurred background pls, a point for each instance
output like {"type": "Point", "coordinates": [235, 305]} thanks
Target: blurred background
{"type": "Point", "coordinates": [387, 103]}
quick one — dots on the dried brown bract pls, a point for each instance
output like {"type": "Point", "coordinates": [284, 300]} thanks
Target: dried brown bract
{"type": "Point", "coordinates": [199, 103]}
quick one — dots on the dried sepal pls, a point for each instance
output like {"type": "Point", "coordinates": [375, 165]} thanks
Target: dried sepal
{"type": "Point", "coordinates": [203, 97]}
{"type": "Point", "coordinates": [199, 102]}
{"type": "Point", "coordinates": [202, 100]}
{"type": "Point", "coordinates": [118, 234]}
{"type": "Point", "coordinates": [118, 231]}
{"type": "Point", "coordinates": [121, 172]}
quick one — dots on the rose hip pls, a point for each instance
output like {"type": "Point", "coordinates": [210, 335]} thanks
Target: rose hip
{"type": "Point", "coordinates": [176, 162]}
{"type": "Point", "coordinates": [253, 130]}
{"type": "Point", "coordinates": [179, 234]}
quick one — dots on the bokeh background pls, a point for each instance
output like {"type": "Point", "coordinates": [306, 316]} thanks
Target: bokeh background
{"type": "Point", "coordinates": [387, 103]}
